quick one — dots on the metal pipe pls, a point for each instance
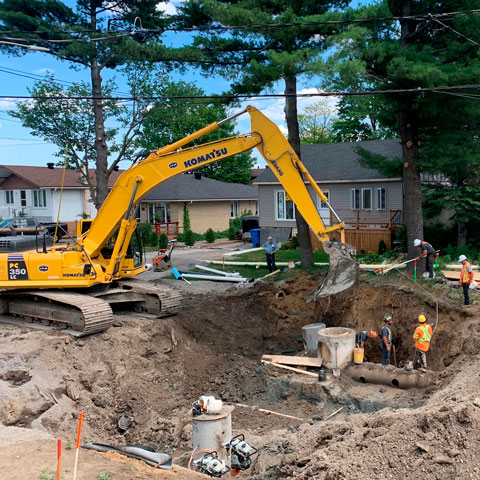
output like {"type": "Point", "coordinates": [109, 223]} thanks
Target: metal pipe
{"type": "Point", "coordinates": [214, 277]}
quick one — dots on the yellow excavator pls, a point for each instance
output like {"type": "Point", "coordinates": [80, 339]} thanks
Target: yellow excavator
{"type": "Point", "coordinates": [77, 284]}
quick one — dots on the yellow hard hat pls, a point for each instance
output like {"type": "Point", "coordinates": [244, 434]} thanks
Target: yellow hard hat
{"type": "Point", "coordinates": [422, 318]}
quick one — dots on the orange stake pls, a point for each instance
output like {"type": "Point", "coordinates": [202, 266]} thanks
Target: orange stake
{"type": "Point", "coordinates": [58, 475]}
{"type": "Point", "coordinates": [77, 445]}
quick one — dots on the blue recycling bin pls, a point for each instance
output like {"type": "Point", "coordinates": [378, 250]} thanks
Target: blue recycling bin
{"type": "Point", "coordinates": [255, 233]}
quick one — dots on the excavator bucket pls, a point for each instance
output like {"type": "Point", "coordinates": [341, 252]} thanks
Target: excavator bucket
{"type": "Point", "coordinates": [342, 271]}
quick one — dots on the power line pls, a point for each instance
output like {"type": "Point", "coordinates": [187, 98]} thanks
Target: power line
{"type": "Point", "coordinates": [21, 139]}
{"type": "Point", "coordinates": [247, 96]}
{"type": "Point", "coordinates": [135, 30]}
{"type": "Point", "coordinates": [456, 32]}
{"type": "Point", "coordinates": [23, 144]}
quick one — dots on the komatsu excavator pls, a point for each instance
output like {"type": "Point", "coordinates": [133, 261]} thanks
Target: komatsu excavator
{"type": "Point", "coordinates": [77, 284]}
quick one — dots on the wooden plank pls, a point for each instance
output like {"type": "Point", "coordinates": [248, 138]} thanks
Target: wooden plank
{"type": "Point", "coordinates": [451, 275]}
{"type": "Point", "coordinates": [298, 361]}
{"type": "Point", "coordinates": [292, 369]}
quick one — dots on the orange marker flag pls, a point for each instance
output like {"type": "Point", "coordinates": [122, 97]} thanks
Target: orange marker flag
{"type": "Point", "coordinates": [77, 446]}
{"type": "Point", "coordinates": [58, 475]}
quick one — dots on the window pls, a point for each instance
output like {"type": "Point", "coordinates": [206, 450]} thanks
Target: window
{"type": "Point", "coordinates": [285, 209]}
{"type": "Point", "coordinates": [323, 204]}
{"type": "Point", "coordinates": [39, 198]}
{"type": "Point", "coordinates": [381, 199]}
{"type": "Point", "coordinates": [355, 199]}
{"type": "Point", "coordinates": [367, 198]}
{"type": "Point", "coordinates": [159, 212]}
{"type": "Point", "coordinates": [233, 208]}
{"type": "Point", "coordinates": [23, 198]}
{"type": "Point", "coordinates": [9, 197]}
{"type": "Point", "coordinates": [256, 207]}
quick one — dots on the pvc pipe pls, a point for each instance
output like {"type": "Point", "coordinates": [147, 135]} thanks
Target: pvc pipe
{"type": "Point", "coordinates": [218, 272]}
{"type": "Point", "coordinates": [254, 264]}
{"type": "Point", "coordinates": [459, 266]}
{"type": "Point", "coordinates": [58, 475]}
{"type": "Point", "coordinates": [230, 254]}
{"type": "Point", "coordinates": [214, 277]}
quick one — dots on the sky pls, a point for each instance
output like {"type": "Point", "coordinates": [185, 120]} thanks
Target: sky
{"type": "Point", "coordinates": [17, 74]}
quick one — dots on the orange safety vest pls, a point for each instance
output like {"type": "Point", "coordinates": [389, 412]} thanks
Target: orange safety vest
{"type": "Point", "coordinates": [465, 275]}
{"type": "Point", "coordinates": [423, 342]}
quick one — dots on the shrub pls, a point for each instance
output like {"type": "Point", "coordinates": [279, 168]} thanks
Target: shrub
{"type": "Point", "coordinates": [154, 238]}
{"type": "Point", "coordinates": [382, 247]}
{"type": "Point", "coordinates": [145, 233]}
{"type": "Point", "coordinates": [232, 232]}
{"type": "Point", "coordinates": [189, 238]}
{"type": "Point", "coordinates": [210, 236]}
{"type": "Point", "coordinates": [294, 243]}
{"type": "Point", "coordinates": [186, 219]}
{"type": "Point", "coordinates": [163, 241]}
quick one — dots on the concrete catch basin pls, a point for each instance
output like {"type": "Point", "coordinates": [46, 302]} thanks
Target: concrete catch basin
{"type": "Point", "coordinates": [335, 347]}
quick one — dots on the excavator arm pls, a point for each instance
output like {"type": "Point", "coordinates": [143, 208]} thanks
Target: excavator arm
{"type": "Point", "coordinates": [143, 176]}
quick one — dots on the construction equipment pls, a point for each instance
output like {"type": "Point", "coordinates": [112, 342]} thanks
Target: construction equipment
{"type": "Point", "coordinates": [239, 453]}
{"type": "Point", "coordinates": [209, 464]}
{"type": "Point", "coordinates": [163, 260]}
{"type": "Point", "coordinates": [78, 283]}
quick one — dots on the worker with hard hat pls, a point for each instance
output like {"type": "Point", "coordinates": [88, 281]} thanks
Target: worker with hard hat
{"type": "Point", "coordinates": [466, 277]}
{"type": "Point", "coordinates": [386, 339]}
{"type": "Point", "coordinates": [362, 336]}
{"type": "Point", "coordinates": [422, 336]}
{"type": "Point", "coordinates": [429, 252]}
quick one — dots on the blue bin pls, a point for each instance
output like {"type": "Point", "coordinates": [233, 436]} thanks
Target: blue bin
{"type": "Point", "coordinates": [255, 233]}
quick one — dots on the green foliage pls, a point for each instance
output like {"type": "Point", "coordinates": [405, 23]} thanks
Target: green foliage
{"type": "Point", "coordinates": [154, 238]}
{"type": "Point", "coordinates": [103, 476]}
{"type": "Point", "coordinates": [315, 125]}
{"type": "Point", "coordinates": [68, 445]}
{"type": "Point", "coordinates": [163, 240]}
{"type": "Point", "coordinates": [232, 231]}
{"type": "Point", "coordinates": [210, 236]}
{"type": "Point", "coordinates": [186, 219]}
{"type": "Point", "coordinates": [382, 247]}
{"type": "Point", "coordinates": [47, 474]}
{"type": "Point", "coordinates": [146, 233]}
{"type": "Point", "coordinates": [294, 243]}
{"type": "Point", "coordinates": [389, 167]}
{"type": "Point", "coordinates": [189, 238]}
{"type": "Point", "coordinates": [165, 125]}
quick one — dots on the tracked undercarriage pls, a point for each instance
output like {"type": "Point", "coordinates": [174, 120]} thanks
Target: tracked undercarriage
{"type": "Point", "coordinates": [89, 311]}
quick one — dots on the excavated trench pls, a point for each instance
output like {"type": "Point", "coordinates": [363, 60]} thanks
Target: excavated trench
{"type": "Point", "coordinates": [154, 369]}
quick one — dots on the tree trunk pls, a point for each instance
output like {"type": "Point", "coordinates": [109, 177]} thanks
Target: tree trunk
{"type": "Point", "coordinates": [408, 130]}
{"type": "Point", "coordinates": [304, 241]}
{"type": "Point", "coordinates": [461, 234]}
{"type": "Point", "coordinates": [101, 162]}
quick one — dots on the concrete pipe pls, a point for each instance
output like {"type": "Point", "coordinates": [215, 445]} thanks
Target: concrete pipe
{"type": "Point", "coordinates": [310, 335]}
{"type": "Point", "coordinates": [390, 376]}
{"type": "Point", "coordinates": [335, 347]}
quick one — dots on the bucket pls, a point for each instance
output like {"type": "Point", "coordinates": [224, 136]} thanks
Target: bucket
{"type": "Point", "coordinates": [322, 375]}
{"type": "Point", "coordinates": [358, 355]}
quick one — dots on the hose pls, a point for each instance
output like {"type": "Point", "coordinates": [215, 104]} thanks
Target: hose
{"type": "Point", "coordinates": [196, 452]}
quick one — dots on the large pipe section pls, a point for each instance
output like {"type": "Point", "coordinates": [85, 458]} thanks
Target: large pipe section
{"type": "Point", "coordinates": [335, 347]}
{"type": "Point", "coordinates": [390, 376]}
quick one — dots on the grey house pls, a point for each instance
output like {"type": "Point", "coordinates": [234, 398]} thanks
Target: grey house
{"type": "Point", "coordinates": [362, 197]}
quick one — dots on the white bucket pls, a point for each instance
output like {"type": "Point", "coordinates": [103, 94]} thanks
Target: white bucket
{"type": "Point", "coordinates": [210, 404]}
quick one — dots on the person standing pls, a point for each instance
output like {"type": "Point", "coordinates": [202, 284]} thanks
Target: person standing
{"type": "Point", "coordinates": [270, 248]}
{"type": "Point", "coordinates": [362, 336]}
{"type": "Point", "coordinates": [386, 339]}
{"type": "Point", "coordinates": [466, 277]}
{"type": "Point", "coordinates": [429, 252]}
{"type": "Point", "coordinates": [422, 336]}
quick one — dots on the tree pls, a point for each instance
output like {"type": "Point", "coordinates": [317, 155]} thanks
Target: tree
{"type": "Point", "coordinates": [408, 54]}
{"type": "Point", "coordinates": [76, 36]}
{"type": "Point", "coordinates": [255, 58]}
{"type": "Point", "coordinates": [66, 122]}
{"type": "Point", "coordinates": [315, 124]}
{"type": "Point", "coordinates": [172, 120]}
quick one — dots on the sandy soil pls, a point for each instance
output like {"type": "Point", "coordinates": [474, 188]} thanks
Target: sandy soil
{"type": "Point", "coordinates": [153, 370]}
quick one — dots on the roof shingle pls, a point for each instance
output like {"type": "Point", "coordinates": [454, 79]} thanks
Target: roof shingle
{"type": "Point", "coordinates": [339, 161]}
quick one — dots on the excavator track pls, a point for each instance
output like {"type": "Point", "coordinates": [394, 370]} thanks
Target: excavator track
{"type": "Point", "coordinates": [81, 314]}
{"type": "Point", "coordinates": [157, 300]}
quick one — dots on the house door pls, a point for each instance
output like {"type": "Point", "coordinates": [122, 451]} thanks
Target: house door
{"type": "Point", "coordinates": [323, 209]}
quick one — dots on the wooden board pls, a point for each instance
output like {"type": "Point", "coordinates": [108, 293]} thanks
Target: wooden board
{"type": "Point", "coordinates": [451, 275]}
{"type": "Point", "coordinates": [289, 360]}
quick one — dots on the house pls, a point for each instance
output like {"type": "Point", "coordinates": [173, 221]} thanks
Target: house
{"type": "Point", "coordinates": [27, 190]}
{"type": "Point", "coordinates": [362, 197]}
{"type": "Point", "coordinates": [211, 203]}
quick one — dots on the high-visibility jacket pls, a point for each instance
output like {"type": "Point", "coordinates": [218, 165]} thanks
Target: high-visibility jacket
{"type": "Point", "coordinates": [465, 275]}
{"type": "Point", "coordinates": [422, 336]}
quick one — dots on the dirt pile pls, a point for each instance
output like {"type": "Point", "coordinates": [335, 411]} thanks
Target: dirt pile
{"type": "Point", "coordinates": [153, 369]}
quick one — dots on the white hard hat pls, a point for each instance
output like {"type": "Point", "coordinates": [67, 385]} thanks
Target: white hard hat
{"type": "Point", "coordinates": [417, 242]}
{"type": "Point", "coordinates": [461, 258]}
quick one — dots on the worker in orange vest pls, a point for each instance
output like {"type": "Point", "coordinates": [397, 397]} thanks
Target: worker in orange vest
{"type": "Point", "coordinates": [422, 336]}
{"type": "Point", "coordinates": [466, 277]}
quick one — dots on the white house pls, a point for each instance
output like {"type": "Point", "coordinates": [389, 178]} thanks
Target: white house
{"type": "Point", "coordinates": [35, 191]}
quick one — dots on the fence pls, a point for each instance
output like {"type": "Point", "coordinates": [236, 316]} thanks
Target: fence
{"type": "Point", "coordinates": [392, 220]}
{"type": "Point", "coordinates": [363, 239]}
{"type": "Point", "coordinates": [170, 228]}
